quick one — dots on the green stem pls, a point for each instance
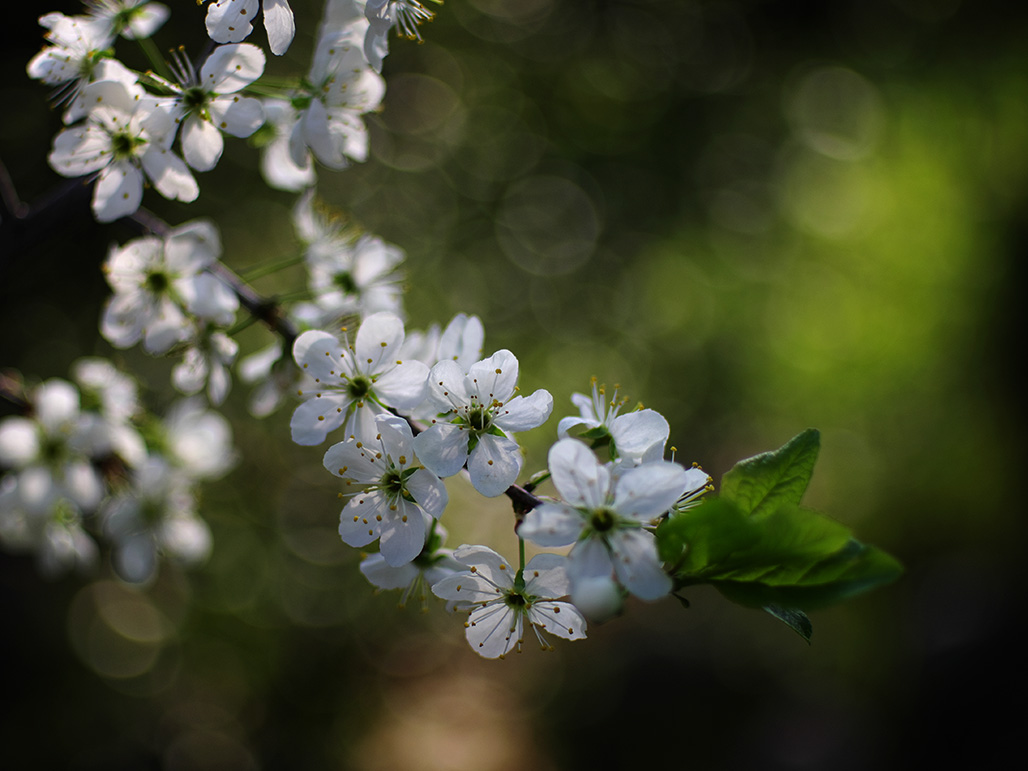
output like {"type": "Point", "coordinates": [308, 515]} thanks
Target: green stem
{"type": "Point", "coordinates": [265, 270]}
{"type": "Point", "coordinates": [159, 64]}
{"type": "Point", "coordinates": [293, 296]}
{"type": "Point", "coordinates": [240, 326]}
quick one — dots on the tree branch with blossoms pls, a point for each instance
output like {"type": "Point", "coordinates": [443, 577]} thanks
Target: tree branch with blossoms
{"type": "Point", "coordinates": [91, 476]}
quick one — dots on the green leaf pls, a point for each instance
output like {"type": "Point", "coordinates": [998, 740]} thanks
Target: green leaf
{"type": "Point", "coordinates": [792, 557]}
{"type": "Point", "coordinates": [856, 569]}
{"type": "Point", "coordinates": [716, 540]}
{"type": "Point", "coordinates": [796, 620]}
{"type": "Point", "coordinates": [768, 481]}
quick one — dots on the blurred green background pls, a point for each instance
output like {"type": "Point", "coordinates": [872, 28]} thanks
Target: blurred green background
{"type": "Point", "coordinates": [754, 216]}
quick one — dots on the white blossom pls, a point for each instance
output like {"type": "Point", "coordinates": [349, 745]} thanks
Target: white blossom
{"type": "Point", "coordinates": [638, 436]}
{"type": "Point", "coordinates": [123, 137]}
{"type": "Point", "coordinates": [606, 515]}
{"type": "Point", "coordinates": [159, 284]}
{"type": "Point", "coordinates": [339, 89]}
{"type": "Point", "coordinates": [416, 577]}
{"type": "Point", "coordinates": [52, 451]}
{"type": "Point", "coordinates": [278, 166]}
{"type": "Point", "coordinates": [209, 103]}
{"type": "Point", "coordinates": [198, 440]}
{"type": "Point", "coordinates": [476, 412]}
{"type": "Point", "coordinates": [348, 274]}
{"type": "Point", "coordinates": [501, 599]}
{"type": "Point", "coordinates": [353, 383]}
{"type": "Point", "coordinates": [152, 517]}
{"type": "Point", "coordinates": [205, 364]}
{"type": "Point", "coordinates": [132, 19]}
{"type": "Point", "coordinates": [55, 536]}
{"type": "Point", "coordinates": [396, 498]}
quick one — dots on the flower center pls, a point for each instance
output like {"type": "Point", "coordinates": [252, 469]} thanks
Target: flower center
{"type": "Point", "coordinates": [478, 418]}
{"type": "Point", "coordinates": [515, 601]}
{"type": "Point", "coordinates": [392, 482]}
{"type": "Point", "coordinates": [602, 520]}
{"type": "Point", "coordinates": [194, 98]}
{"type": "Point", "coordinates": [345, 281]}
{"type": "Point", "coordinates": [157, 282]}
{"type": "Point", "coordinates": [124, 145]}
{"type": "Point", "coordinates": [358, 388]}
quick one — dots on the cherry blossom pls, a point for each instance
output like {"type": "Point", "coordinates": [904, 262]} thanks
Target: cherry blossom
{"type": "Point", "coordinates": [477, 410]}
{"type": "Point", "coordinates": [209, 103]}
{"type": "Point", "coordinates": [605, 516]}
{"type": "Point", "coordinates": [501, 599]}
{"type": "Point", "coordinates": [159, 284]}
{"type": "Point", "coordinates": [124, 139]}
{"type": "Point", "coordinates": [353, 383]}
{"type": "Point", "coordinates": [397, 498]}
{"type": "Point", "coordinates": [637, 436]}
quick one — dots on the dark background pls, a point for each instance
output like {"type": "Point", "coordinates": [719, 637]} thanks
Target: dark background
{"type": "Point", "coordinates": [755, 217]}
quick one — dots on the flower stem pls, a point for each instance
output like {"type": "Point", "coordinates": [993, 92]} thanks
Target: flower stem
{"type": "Point", "coordinates": [160, 66]}
{"type": "Point", "coordinates": [267, 269]}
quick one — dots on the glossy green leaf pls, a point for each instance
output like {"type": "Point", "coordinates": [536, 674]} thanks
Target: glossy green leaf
{"type": "Point", "coordinates": [768, 481]}
{"type": "Point", "coordinates": [791, 557]}
{"type": "Point", "coordinates": [796, 620]}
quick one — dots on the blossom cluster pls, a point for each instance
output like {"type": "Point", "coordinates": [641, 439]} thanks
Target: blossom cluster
{"type": "Point", "coordinates": [86, 465]}
{"type": "Point", "coordinates": [123, 125]}
{"type": "Point", "coordinates": [406, 409]}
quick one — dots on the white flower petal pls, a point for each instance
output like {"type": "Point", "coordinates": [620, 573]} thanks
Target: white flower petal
{"type": "Point", "coordinates": [495, 377]}
{"type": "Point", "coordinates": [494, 630]}
{"type": "Point", "coordinates": [313, 419]}
{"type": "Point", "coordinates": [378, 341]}
{"type": "Point", "coordinates": [80, 150]}
{"type": "Point", "coordinates": [320, 356]}
{"type": "Point", "coordinates": [578, 477]}
{"type": "Point", "coordinates": [231, 67]}
{"type": "Point", "coordinates": [357, 523]}
{"type": "Point", "coordinates": [494, 464]}
{"type": "Point", "coordinates": [488, 563]}
{"type": "Point", "coordinates": [381, 574]}
{"type": "Point", "coordinates": [443, 448]}
{"type": "Point", "coordinates": [202, 144]}
{"type": "Point", "coordinates": [403, 534]}
{"type": "Point", "coordinates": [638, 568]}
{"type": "Point", "coordinates": [145, 20]}
{"type": "Point", "coordinates": [135, 558]}
{"type": "Point", "coordinates": [524, 413]}
{"type": "Point", "coordinates": [278, 22]}
{"type": "Point", "coordinates": [19, 441]}
{"type": "Point", "coordinates": [640, 433]}
{"type": "Point", "coordinates": [170, 175]}
{"type": "Point", "coordinates": [118, 192]}
{"type": "Point", "coordinates": [236, 115]}
{"type": "Point", "coordinates": [552, 524]}
{"type": "Point", "coordinates": [228, 21]}
{"type": "Point", "coordinates": [558, 618]}
{"type": "Point", "coordinates": [647, 491]}
{"type": "Point", "coordinates": [546, 575]}
{"type": "Point", "coordinates": [430, 493]}
{"type": "Point", "coordinates": [404, 386]}
{"type": "Point", "coordinates": [598, 597]}
{"type": "Point", "coordinates": [281, 171]}
{"type": "Point", "coordinates": [349, 461]}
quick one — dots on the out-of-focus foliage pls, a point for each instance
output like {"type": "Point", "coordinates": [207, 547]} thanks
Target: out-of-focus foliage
{"type": "Point", "coordinates": [755, 216]}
